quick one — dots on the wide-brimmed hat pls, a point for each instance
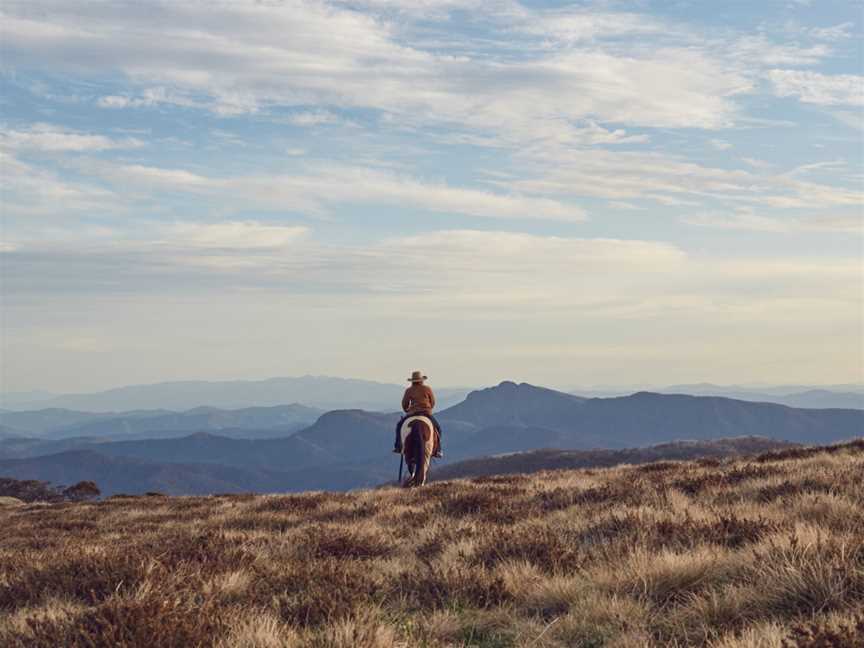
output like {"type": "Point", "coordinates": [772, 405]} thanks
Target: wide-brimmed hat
{"type": "Point", "coordinates": [417, 376]}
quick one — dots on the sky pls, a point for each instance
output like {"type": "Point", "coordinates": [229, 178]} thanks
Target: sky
{"type": "Point", "coordinates": [562, 193]}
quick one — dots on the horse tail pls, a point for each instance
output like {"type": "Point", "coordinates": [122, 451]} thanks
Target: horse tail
{"type": "Point", "coordinates": [417, 459]}
{"type": "Point", "coordinates": [423, 450]}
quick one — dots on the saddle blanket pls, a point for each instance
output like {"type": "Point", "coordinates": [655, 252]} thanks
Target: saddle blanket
{"type": "Point", "coordinates": [405, 429]}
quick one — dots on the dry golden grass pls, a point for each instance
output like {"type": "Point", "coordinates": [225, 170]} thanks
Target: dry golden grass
{"type": "Point", "coordinates": [759, 552]}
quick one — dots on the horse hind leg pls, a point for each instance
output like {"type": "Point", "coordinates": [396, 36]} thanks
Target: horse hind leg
{"type": "Point", "coordinates": [422, 473]}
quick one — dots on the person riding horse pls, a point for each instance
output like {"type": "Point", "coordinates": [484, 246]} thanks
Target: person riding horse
{"type": "Point", "coordinates": [418, 400]}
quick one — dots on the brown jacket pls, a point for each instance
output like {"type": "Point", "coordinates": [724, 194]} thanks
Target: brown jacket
{"type": "Point", "coordinates": [418, 398]}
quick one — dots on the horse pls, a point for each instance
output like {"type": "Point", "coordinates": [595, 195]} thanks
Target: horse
{"type": "Point", "coordinates": [417, 444]}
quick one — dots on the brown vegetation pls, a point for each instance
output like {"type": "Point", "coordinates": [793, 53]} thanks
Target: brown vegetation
{"type": "Point", "coordinates": [31, 490]}
{"type": "Point", "coordinates": [759, 552]}
{"type": "Point", "coordinates": [657, 457]}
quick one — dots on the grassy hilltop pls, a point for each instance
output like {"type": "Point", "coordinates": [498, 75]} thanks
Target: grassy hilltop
{"type": "Point", "coordinates": [765, 551]}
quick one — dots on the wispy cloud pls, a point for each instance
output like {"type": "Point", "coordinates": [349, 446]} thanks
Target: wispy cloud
{"type": "Point", "coordinates": [321, 187]}
{"type": "Point", "coordinates": [838, 32]}
{"type": "Point", "coordinates": [748, 220]}
{"type": "Point", "coordinates": [231, 235]}
{"type": "Point", "coordinates": [235, 58]}
{"type": "Point", "coordinates": [30, 190]}
{"type": "Point", "coordinates": [760, 50]}
{"type": "Point", "coordinates": [816, 88]}
{"type": "Point", "coordinates": [313, 118]}
{"type": "Point", "coordinates": [52, 138]}
{"type": "Point", "coordinates": [671, 180]}
{"type": "Point", "coordinates": [849, 118]}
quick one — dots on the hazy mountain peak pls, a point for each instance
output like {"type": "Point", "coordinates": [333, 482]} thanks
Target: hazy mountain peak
{"type": "Point", "coordinates": [202, 436]}
{"type": "Point", "coordinates": [509, 403]}
{"type": "Point", "coordinates": [508, 387]}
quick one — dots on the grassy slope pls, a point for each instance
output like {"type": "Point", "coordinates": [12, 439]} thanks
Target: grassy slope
{"type": "Point", "coordinates": [766, 551]}
{"type": "Point", "coordinates": [536, 460]}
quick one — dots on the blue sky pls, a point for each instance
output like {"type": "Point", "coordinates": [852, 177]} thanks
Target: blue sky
{"type": "Point", "coordinates": [567, 193]}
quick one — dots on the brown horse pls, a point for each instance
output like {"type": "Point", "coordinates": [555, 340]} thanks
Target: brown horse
{"type": "Point", "coordinates": [417, 445]}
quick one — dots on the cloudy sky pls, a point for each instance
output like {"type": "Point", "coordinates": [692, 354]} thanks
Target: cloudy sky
{"type": "Point", "coordinates": [566, 193]}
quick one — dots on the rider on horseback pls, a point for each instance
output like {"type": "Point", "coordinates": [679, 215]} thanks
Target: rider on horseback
{"type": "Point", "coordinates": [418, 401]}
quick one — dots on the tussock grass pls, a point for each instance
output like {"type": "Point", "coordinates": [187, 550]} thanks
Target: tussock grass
{"type": "Point", "coordinates": [761, 552]}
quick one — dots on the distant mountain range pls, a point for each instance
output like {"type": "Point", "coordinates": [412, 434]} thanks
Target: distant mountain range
{"type": "Point", "coordinates": [814, 399]}
{"type": "Point", "coordinates": [329, 393]}
{"type": "Point", "coordinates": [248, 422]}
{"type": "Point", "coordinates": [565, 421]}
{"type": "Point", "coordinates": [320, 392]}
{"type": "Point", "coordinates": [345, 449]}
{"type": "Point", "coordinates": [342, 450]}
{"type": "Point", "coordinates": [711, 389]}
{"type": "Point", "coordinates": [835, 396]}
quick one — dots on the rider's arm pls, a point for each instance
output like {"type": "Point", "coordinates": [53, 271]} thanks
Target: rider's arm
{"type": "Point", "coordinates": [406, 401]}
{"type": "Point", "coordinates": [432, 398]}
